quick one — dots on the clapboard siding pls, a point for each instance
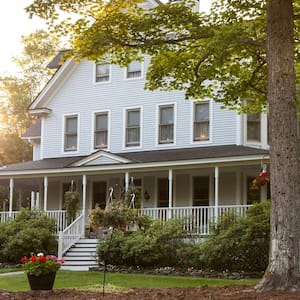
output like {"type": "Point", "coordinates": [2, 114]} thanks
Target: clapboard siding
{"type": "Point", "coordinates": [80, 95]}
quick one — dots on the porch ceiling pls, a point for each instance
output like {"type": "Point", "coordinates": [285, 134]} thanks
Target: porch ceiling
{"type": "Point", "coordinates": [147, 159]}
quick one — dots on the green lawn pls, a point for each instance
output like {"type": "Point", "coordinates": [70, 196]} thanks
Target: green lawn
{"type": "Point", "coordinates": [90, 280]}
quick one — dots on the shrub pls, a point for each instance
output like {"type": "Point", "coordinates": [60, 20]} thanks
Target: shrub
{"type": "Point", "coordinates": [31, 231]}
{"type": "Point", "coordinates": [156, 246]}
{"type": "Point", "coordinates": [239, 243]}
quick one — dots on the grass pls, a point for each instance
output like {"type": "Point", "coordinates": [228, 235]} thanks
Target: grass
{"type": "Point", "coordinates": [91, 280]}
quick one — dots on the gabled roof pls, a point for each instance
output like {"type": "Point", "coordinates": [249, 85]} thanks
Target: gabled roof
{"type": "Point", "coordinates": [58, 60]}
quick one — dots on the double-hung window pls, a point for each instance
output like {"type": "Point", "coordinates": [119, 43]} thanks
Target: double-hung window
{"type": "Point", "coordinates": [71, 133]}
{"type": "Point", "coordinates": [133, 127]}
{"type": "Point", "coordinates": [101, 130]}
{"type": "Point", "coordinates": [201, 121]}
{"type": "Point", "coordinates": [134, 70]}
{"type": "Point", "coordinates": [253, 127]}
{"type": "Point", "coordinates": [166, 124]}
{"type": "Point", "coordinates": [102, 72]}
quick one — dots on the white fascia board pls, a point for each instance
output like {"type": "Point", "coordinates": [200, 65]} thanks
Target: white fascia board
{"type": "Point", "coordinates": [53, 84]}
{"type": "Point", "coordinates": [137, 167]}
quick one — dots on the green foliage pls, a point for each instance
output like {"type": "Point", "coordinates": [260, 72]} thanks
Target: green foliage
{"type": "Point", "coordinates": [117, 215]}
{"type": "Point", "coordinates": [157, 245]}
{"type": "Point", "coordinates": [239, 243]}
{"type": "Point", "coordinates": [72, 205]}
{"type": "Point", "coordinates": [190, 51]}
{"type": "Point", "coordinates": [31, 231]}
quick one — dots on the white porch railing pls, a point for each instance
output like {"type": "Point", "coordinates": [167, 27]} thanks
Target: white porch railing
{"type": "Point", "coordinates": [5, 216]}
{"type": "Point", "coordinates": [197, 220]}
{"type": "Point", "coordinates": [68, 237]}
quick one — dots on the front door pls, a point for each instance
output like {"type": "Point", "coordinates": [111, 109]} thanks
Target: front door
{"type": "Point", "coordinates": [99, 194]}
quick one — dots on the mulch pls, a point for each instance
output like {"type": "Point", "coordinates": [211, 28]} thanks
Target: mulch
{"type": "Point", "coordinates": [214, 293]}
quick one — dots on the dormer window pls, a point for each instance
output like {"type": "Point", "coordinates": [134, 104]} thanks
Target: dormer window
{"type": "Point", "coordinates": [134, 70]}
{"type": "Point", "coordinates": [201, 121]}
{"type": "Point", "coordinates": [71, 133]}
{"type": "Point", "coordinates": [102, 72]}
{"type": "Point", "coordinates": [101, 130]}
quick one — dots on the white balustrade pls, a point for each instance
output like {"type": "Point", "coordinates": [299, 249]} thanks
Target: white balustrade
{"type": "Point", "coordinates": [68, 237]}
{"type": "Point", "coordinates": [196, 220]}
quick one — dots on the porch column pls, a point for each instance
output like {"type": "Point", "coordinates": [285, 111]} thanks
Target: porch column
{"type": "Point", "coordinates": [216, 192]}
{"type": "Point", "coordinates": [11, 195]}
{"type": "Point", "coordinates": [170, 193]}
{"type": "Point", "coordinates": [45, 193]}
{"type": "Point", "coordinates": [238, 188]}
{"type": "Point", "coordinates": [32, 200]}
{"type": "Point", "coordinates": [83, 202]}
{"type": "Point", "coordinates": [126, 181]}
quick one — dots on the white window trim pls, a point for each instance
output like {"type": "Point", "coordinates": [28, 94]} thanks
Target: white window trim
{"type": "Point", "coordinates": [134, 78]}
{"type": "Point", "coordinates": [93, 149]}
{"type": "Point", "coordinates": [210, 140]}
{"type": "Point", "coordinates": [165, 145]}
{"type": "Point", "coordinates": [101, 82]}
{"type": "Point", "coordinates": [63, 133]}
{"type": "Point", "coordinates": [124, 128]}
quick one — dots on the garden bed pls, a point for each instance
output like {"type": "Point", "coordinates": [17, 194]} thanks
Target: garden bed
{"type": "Point", "coordinates": [216, 293]}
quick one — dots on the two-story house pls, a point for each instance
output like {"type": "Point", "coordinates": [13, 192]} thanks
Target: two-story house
{"type": "Point", "coordinates": [100, 131]}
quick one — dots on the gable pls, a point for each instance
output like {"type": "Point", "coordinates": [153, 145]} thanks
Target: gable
{"type": "Point", "coordinates": [101, 158]}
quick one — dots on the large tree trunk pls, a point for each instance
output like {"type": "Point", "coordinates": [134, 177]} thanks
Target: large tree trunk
{"type": "Point", "coordinates": [284, 267]}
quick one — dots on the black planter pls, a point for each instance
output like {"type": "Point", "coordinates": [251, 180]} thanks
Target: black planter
{"type": "Point", "coordinates": [41, 282]}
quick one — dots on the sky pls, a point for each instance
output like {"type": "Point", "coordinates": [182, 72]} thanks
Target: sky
{"type": "Point", "coordinates": [15, 23]}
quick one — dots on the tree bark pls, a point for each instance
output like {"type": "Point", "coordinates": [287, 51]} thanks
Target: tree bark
{"type": "Point", "coordinates": [283, 272]}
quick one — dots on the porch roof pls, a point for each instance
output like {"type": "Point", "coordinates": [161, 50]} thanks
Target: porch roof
{"type": "Point", "coordinates": [186, 154]}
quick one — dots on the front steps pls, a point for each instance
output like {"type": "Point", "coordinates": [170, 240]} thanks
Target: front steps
{"type": "Point", "coordinates": [81, 256]}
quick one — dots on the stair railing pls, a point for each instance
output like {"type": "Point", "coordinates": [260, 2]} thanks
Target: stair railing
{"type": "Point", "coordinates": [68, 237]}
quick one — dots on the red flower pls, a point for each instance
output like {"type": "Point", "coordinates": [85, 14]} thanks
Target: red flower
{"type": "Point", "coordinates": [24, 259]}
{"type": "Point", "coordinates": [42, 259]}
{"type": "Point", "coordinates": [104, 231]}
{"type": "Point", "coordinates": [33, 258]}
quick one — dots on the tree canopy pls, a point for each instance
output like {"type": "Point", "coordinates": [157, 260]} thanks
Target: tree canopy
{"type": "Point", "coordinates": [221, 55]}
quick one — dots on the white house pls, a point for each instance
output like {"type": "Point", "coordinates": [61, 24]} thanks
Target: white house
{"type": "Point", "coordinates": [97, 128]}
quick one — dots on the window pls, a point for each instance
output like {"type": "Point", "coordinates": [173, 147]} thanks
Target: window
{"type": "Point", "coordinates": [201, 122]}
{"type": "Point", "coordinates": [102, 72]}
{"type": "Point", "coordinates": [70, 133]}
{"type": "Point", "coordinates": [101, 130]}
{"type": "Point", "coordinates": [166, 124]}
{"type": "Point", "coordinates": [253, 127]}
{"type": "Point", "coordinates": [134, 70]}
{"type": "Point", "coordinates": [201, 191]}
{"type": "Point", "coordinates": [132, 127]}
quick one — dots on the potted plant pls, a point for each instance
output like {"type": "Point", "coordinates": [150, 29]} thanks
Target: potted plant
{"type": "Point", "coordinates": [41, 270]}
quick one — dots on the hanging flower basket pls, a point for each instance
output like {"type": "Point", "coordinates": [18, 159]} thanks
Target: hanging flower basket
{"type": "Point", "coordinates": [261, 179]}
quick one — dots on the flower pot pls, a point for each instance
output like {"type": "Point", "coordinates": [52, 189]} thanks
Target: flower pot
{"type": "Point", "coordinates": [41, 282]}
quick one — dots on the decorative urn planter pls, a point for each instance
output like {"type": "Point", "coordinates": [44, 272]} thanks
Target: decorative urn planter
{"type": "Point", "coordinates": [41, 282]}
